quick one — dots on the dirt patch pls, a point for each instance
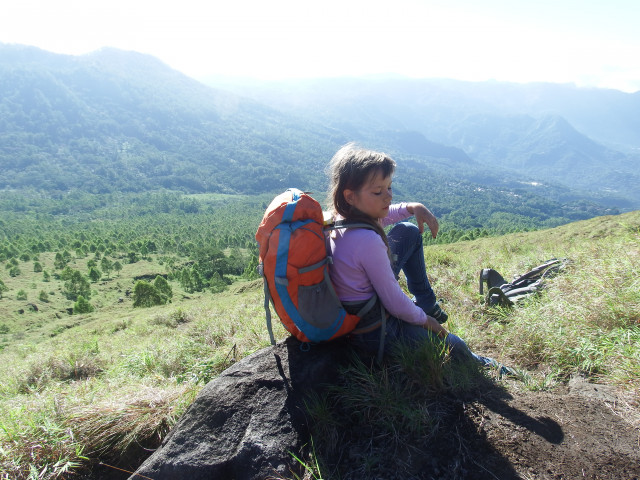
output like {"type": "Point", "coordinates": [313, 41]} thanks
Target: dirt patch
{"type": "Point", "coordinates": [577, 432]}
{"type": "Point", "coordinates": [580, 432]}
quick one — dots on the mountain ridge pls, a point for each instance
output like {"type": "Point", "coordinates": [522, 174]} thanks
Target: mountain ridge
{"type": "Point", "coordinates": [603, 133]}
{"type": "Point", "coordinates": [155, 124]}
{"type": "Point", "coordinates": [123, 121]}
{"type": "Point", "coordinates": [604, 114]}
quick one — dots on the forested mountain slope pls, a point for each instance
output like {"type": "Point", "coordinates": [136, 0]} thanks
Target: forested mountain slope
{"type": "Point", "coordinates": [115, 122]}
{"type": "Point", "coordinates": [122, 121]}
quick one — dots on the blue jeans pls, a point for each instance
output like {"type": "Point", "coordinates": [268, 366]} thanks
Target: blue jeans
{"type": "Point", "coordinates": [398, 331]}
{"type": "Point", "coordinates": [405, 243]}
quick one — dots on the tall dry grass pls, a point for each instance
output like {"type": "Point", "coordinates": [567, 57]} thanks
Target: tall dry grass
{"type": "Point", "coordinates": [109, 390]}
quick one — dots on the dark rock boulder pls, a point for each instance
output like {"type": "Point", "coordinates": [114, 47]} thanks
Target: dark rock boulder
{"type": "Point", "coordinates": [244, 424]}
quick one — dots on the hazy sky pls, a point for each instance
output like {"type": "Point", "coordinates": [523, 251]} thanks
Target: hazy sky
{"type": "Point", "coordinates": [586, 42]}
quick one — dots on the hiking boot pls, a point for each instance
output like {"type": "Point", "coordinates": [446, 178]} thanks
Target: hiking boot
{"type": "Point", "coordinates": [502, 370]}
{"type": "Point", "coordinates": [439, 314]}
{"type": "Point", "coordinates": [508, 372]}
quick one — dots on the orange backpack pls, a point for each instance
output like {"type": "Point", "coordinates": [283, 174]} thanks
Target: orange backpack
{"type": "Point", "coordinates": [294, 264]}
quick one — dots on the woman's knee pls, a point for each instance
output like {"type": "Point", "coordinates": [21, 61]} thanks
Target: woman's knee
{"type": "Point", "coordinates": [458, 348]}
{"type": "Point", "coordinates": [405, 230]}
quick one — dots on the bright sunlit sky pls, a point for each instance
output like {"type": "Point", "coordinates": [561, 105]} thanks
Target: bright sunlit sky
{"type": "Point", "coordinates": [586, 42]}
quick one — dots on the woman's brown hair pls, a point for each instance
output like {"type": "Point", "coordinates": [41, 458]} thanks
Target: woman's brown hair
{"type": "Point", "coordinates": [350, 168]}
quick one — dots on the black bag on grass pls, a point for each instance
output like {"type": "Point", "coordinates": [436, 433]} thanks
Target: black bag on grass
{"type": "Point", "coordinates": [506, 294]}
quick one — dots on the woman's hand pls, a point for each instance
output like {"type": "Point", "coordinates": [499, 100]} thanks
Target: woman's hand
{"type": "Point", "coordinates": [433, 325]}
{"type": "Point", "coordinates": [423, 215]}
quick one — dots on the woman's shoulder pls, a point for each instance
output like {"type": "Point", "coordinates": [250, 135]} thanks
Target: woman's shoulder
{"type": "Point", "coordinates": [359, 238]}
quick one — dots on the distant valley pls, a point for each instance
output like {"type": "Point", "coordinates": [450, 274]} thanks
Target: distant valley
{"type": "Point", "coordinates": [489, 155]}
{"type": "Point", "coordinates": [586, 139]}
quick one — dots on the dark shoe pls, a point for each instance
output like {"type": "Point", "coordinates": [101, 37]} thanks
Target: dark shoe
{"type": "Point", "coordinates": [439, 314]}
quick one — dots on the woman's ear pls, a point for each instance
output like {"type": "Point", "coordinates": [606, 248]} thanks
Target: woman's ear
{"type": "Point", "coordinates": [348, 195]}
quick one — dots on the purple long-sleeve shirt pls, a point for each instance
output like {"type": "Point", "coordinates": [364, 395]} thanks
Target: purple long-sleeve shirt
{"type": "Point", "coordinates": [361, 267]}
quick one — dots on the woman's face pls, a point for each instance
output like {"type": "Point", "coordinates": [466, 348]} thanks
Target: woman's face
{"type": "Point", "coordinates": [373, 198]}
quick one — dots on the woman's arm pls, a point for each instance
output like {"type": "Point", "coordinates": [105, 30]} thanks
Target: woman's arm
{"type": "Point", "coordinates": [372, 258]}
{"type": "Point", "coordinates": [423, 215]}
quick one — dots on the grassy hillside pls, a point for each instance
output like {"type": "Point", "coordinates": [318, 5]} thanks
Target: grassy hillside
{"type": "Point", "coordinates": [104, 386]}
{"type": "Point", "coordinates": [587, 321]}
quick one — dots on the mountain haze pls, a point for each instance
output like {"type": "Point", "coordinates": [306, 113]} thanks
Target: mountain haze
{"type": "Point", "coordinates": [587, 139]}
{"type": "Point", "coordinates": [117, 122]}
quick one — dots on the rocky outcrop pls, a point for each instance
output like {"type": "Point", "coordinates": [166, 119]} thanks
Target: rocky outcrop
{"type": "Point", "coordinates": [246, 423]}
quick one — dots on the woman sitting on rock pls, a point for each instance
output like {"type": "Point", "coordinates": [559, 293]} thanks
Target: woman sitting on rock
{"type": "Point", "coordinates": [367, 262]}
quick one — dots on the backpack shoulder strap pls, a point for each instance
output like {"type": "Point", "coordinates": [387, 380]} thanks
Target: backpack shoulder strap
{"type": "Point", "coordinates": [267, 301]}
{"type": "Point", "coordinates": [372, 301]}
{"type": "Point", "coordinates": [344, 224]}
{"type": "Point", "coordinates": [495, 295]}
{"type": "Point", "coordinates": [546, 269]}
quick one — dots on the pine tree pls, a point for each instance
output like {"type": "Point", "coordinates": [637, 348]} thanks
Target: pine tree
{"type": "Point", "coordinates": [76, 285]}
{"type": "Point", "coordinates": [161, 284]}
{"type": "Point", "coordinates": [95, 274]}
{"type": "Point", "coordinates": [117, 266]}
{"type": "Point", "coordinates": [82, 306]}
{"type": "Point", "coordinates": [146, 295]}
{"type": "Point", "coordinates": [106, 266]}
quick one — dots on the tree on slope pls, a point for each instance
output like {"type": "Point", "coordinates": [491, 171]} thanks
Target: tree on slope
{"type": "Point", "coordinates": [82, 306]}
{"type": "Point", "coordinates": [146, 295]}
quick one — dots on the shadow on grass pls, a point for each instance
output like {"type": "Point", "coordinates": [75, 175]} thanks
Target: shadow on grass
{"type": "Point", "coordinates": [416, 416]}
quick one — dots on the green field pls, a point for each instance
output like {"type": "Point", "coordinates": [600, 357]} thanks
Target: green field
{"type": "Point", "coordinates": [101, 387]}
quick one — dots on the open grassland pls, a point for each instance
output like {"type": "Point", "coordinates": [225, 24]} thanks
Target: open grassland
{"type": "Point", "coordinates": [108, 385]}
{"type": "Point", "coordinates": [111, 297]}
{"type": "Point", "coordinates": [111, 385]}
{"type": "Point", "coordinates": [587, 321]}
